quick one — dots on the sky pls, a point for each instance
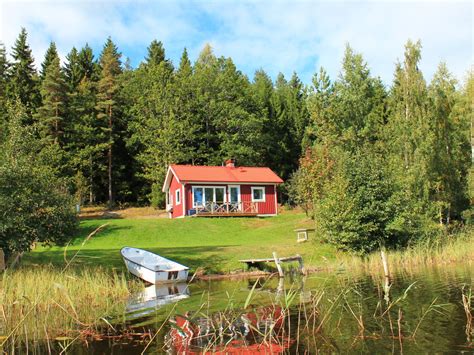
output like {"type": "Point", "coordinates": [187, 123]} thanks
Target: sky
{"type": "Point", "coordinates": [277, 36]}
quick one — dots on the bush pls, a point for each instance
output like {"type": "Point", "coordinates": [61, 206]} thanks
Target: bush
{"type": "Point", "coordinates": [34, 204]}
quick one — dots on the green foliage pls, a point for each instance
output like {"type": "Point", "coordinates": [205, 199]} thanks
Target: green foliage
{"type": "Point", "coordinates": [23, 77]}
{"type": "Point", "coordinates": [51, 114]}
{"type": "Point", "coordinates": [384, 169]}
{"type": "Point", "coordinates": [108, 107]}
{"type": "Point", "coordinates": [49, 57]}
{"type": "Point", "coordinates": [34, 203]}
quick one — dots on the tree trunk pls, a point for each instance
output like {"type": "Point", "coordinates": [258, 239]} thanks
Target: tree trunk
{"type": "Point", "coordinates": [109, 157]}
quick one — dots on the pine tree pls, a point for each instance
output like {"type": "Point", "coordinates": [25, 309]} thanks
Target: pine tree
{"type": "Point", "coordinates": [23, 76]}
{"type": "Point", "coordinates": [51, 113]}
{"type": "Point", "coordinates": [107, 105]}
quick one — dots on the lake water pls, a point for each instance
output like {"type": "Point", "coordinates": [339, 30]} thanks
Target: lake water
{"type": "Point", "coordinates": [325, 312]}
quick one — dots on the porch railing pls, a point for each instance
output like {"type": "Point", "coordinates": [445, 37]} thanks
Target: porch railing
{"type": "Point", "coordinates": [226, 208]}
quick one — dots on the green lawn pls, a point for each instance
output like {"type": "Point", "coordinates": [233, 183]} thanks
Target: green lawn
{"type": "Point", "coordinates": [214, 244]}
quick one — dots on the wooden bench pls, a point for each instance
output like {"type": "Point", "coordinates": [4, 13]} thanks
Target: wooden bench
{"type": "Point", "coordinates": [302, 234]}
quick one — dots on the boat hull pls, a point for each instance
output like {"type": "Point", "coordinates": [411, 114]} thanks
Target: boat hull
{"type": "Point", "coordinates": [155, 277]}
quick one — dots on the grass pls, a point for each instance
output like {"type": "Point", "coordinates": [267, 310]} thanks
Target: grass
{"type": "Point", "coordinates": [212, 245]}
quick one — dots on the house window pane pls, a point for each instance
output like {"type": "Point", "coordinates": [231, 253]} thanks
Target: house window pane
{"type": "Point", "coordinates": [197, 196]}
{"type": "Point", "coordinates": [234, 195]}
{"type": "Point", "coordinates": [258, 194]}
{"type": "Point", "coordinates": [209, 194]}
{"type": "Point", "coordinates": [219, 194]}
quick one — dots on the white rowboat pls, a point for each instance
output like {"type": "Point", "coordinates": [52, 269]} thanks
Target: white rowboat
{"type": "Point", "coordinates": [153, 268]}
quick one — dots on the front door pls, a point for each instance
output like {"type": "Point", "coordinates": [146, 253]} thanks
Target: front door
{"type": "Point", "coordinates": [234, 197]}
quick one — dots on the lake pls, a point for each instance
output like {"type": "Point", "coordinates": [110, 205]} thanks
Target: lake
{"type": "Point", "coordinates": [422, 312]}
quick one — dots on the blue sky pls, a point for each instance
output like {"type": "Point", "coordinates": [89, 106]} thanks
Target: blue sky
{"type": "Point", "coordinates": [278, 36]}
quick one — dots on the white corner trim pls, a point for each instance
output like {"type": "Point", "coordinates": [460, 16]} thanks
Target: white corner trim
{"type": "Point", "coordinates": [276, 200]}
{"type": "Point", "coordinates": [184, 199]}
{"type": "Point", "coordinates": [166, 183]}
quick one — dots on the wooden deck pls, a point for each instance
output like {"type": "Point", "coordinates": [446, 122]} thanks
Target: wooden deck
{"type": "Point", "coordinates": [226, 209]}
{"type": "Point", "coordinates": [225, 214]}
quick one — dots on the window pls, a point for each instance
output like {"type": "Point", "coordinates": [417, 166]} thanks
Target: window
{"type": "Point", "coordinates": [208, 194]}
{"type": "Point", "coordinates": [197, 196]}
{"type": "Point", "coordinates": [258, 194]}
{"type": "Point", "coordinates": [178, 196]}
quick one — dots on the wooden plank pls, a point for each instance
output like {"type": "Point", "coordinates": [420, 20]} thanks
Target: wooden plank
{"type": "Point", "coordinates": [269, 260]}
{"type": "Point", "coordinates": [278, 265]}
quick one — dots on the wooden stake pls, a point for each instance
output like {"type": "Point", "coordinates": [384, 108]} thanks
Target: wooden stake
{"type": "Point", "coordinates": [278, 265]}
{"type": "Point", "coordinates": [384, 262]}
{"type": "Point", "coordinates": [300, 261]}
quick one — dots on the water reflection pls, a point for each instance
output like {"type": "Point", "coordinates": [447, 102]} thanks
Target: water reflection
{"type": "Point", "coordinates": [257, 331]}
{"type": "Point", "coordinates": [154, 297]}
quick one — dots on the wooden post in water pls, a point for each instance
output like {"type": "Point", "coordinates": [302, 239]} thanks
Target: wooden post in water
{"type": "Point", "coordinates": [2, 260]}
{"type": "Point", "coordinates": [278, 264]}
{"type": "Point", "coordinates": [384, 262]}
{"type": "Point", "coordinates": [386, 271]}
{"type": "Point", "coordinates": [300, 261]}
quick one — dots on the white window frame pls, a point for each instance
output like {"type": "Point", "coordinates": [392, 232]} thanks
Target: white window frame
{"type": "Point", "coordinates": [253, 188]}
{"type": "Point", "coordinates": [213, 193]}
{"type": "Point", "coordinates": [238, 195]}
{"type": "Point", "coordinates": [178, 196]}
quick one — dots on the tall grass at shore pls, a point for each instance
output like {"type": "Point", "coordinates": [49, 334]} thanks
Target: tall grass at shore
{"type": "Point", "coordinates": [451, 249]}
{"type": "Point", "coordinates": [47, 303]}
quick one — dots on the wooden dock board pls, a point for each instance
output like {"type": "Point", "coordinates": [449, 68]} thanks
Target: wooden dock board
{"type": "Point", "coordinates": [275, 259]}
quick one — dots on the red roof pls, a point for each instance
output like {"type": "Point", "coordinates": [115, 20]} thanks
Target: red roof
{"type": "Point", "coordinates": [196, 173]}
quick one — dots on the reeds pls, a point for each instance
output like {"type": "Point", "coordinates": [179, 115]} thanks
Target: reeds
{"type": "Point", "coordinates": [47, 303]}
{"type": "Point", "coordinates": [443, 251]}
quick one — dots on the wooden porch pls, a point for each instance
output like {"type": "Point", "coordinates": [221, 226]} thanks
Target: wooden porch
{"type": "Point", "coordinates": [225, 209]}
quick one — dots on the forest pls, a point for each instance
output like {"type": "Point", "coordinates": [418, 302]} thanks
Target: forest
{"type": "Point", "coordinates": [369, 163]}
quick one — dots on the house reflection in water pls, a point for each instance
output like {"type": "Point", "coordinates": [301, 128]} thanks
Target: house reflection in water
{"type": "Point", "coordinates": [260, 331]}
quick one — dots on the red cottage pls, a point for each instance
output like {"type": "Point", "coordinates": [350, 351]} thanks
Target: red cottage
{"type": "Point", "coordinates": [220, 191]}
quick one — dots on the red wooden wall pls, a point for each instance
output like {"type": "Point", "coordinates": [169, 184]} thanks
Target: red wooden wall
{"type": "Point", "coordinates": [177, 209]}
{"type": "Point", "coordinates": [267, 207]}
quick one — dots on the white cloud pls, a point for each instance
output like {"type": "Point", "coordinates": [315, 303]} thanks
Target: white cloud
{"type": "Point", "coordinates": [277, 36]}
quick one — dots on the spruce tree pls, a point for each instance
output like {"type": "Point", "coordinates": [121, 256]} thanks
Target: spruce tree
{"type": "Point", "coordinates": [88, 66]}
{"type": "Point", "coordinates": [72, 69]}
{"type": "Point", "coordinates": [23, 76]}
{"type": "Point", "coordinates": [49, 57]}
{"type": "Point", "coordinates": [107, 105]}
{"type": "Point", "coordinates": [319, 102]}
{"type": "Point", "coordinates": [4, 78]}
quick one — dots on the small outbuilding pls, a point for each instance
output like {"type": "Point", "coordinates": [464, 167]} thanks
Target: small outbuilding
{"type": "Point", "coordinates": [228, 190]}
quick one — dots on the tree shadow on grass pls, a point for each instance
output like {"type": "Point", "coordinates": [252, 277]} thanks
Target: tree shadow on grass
{"type": "Point", "coordinates": [84, 231]}
{"type": "Point", "coordinates": [209, 258]}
